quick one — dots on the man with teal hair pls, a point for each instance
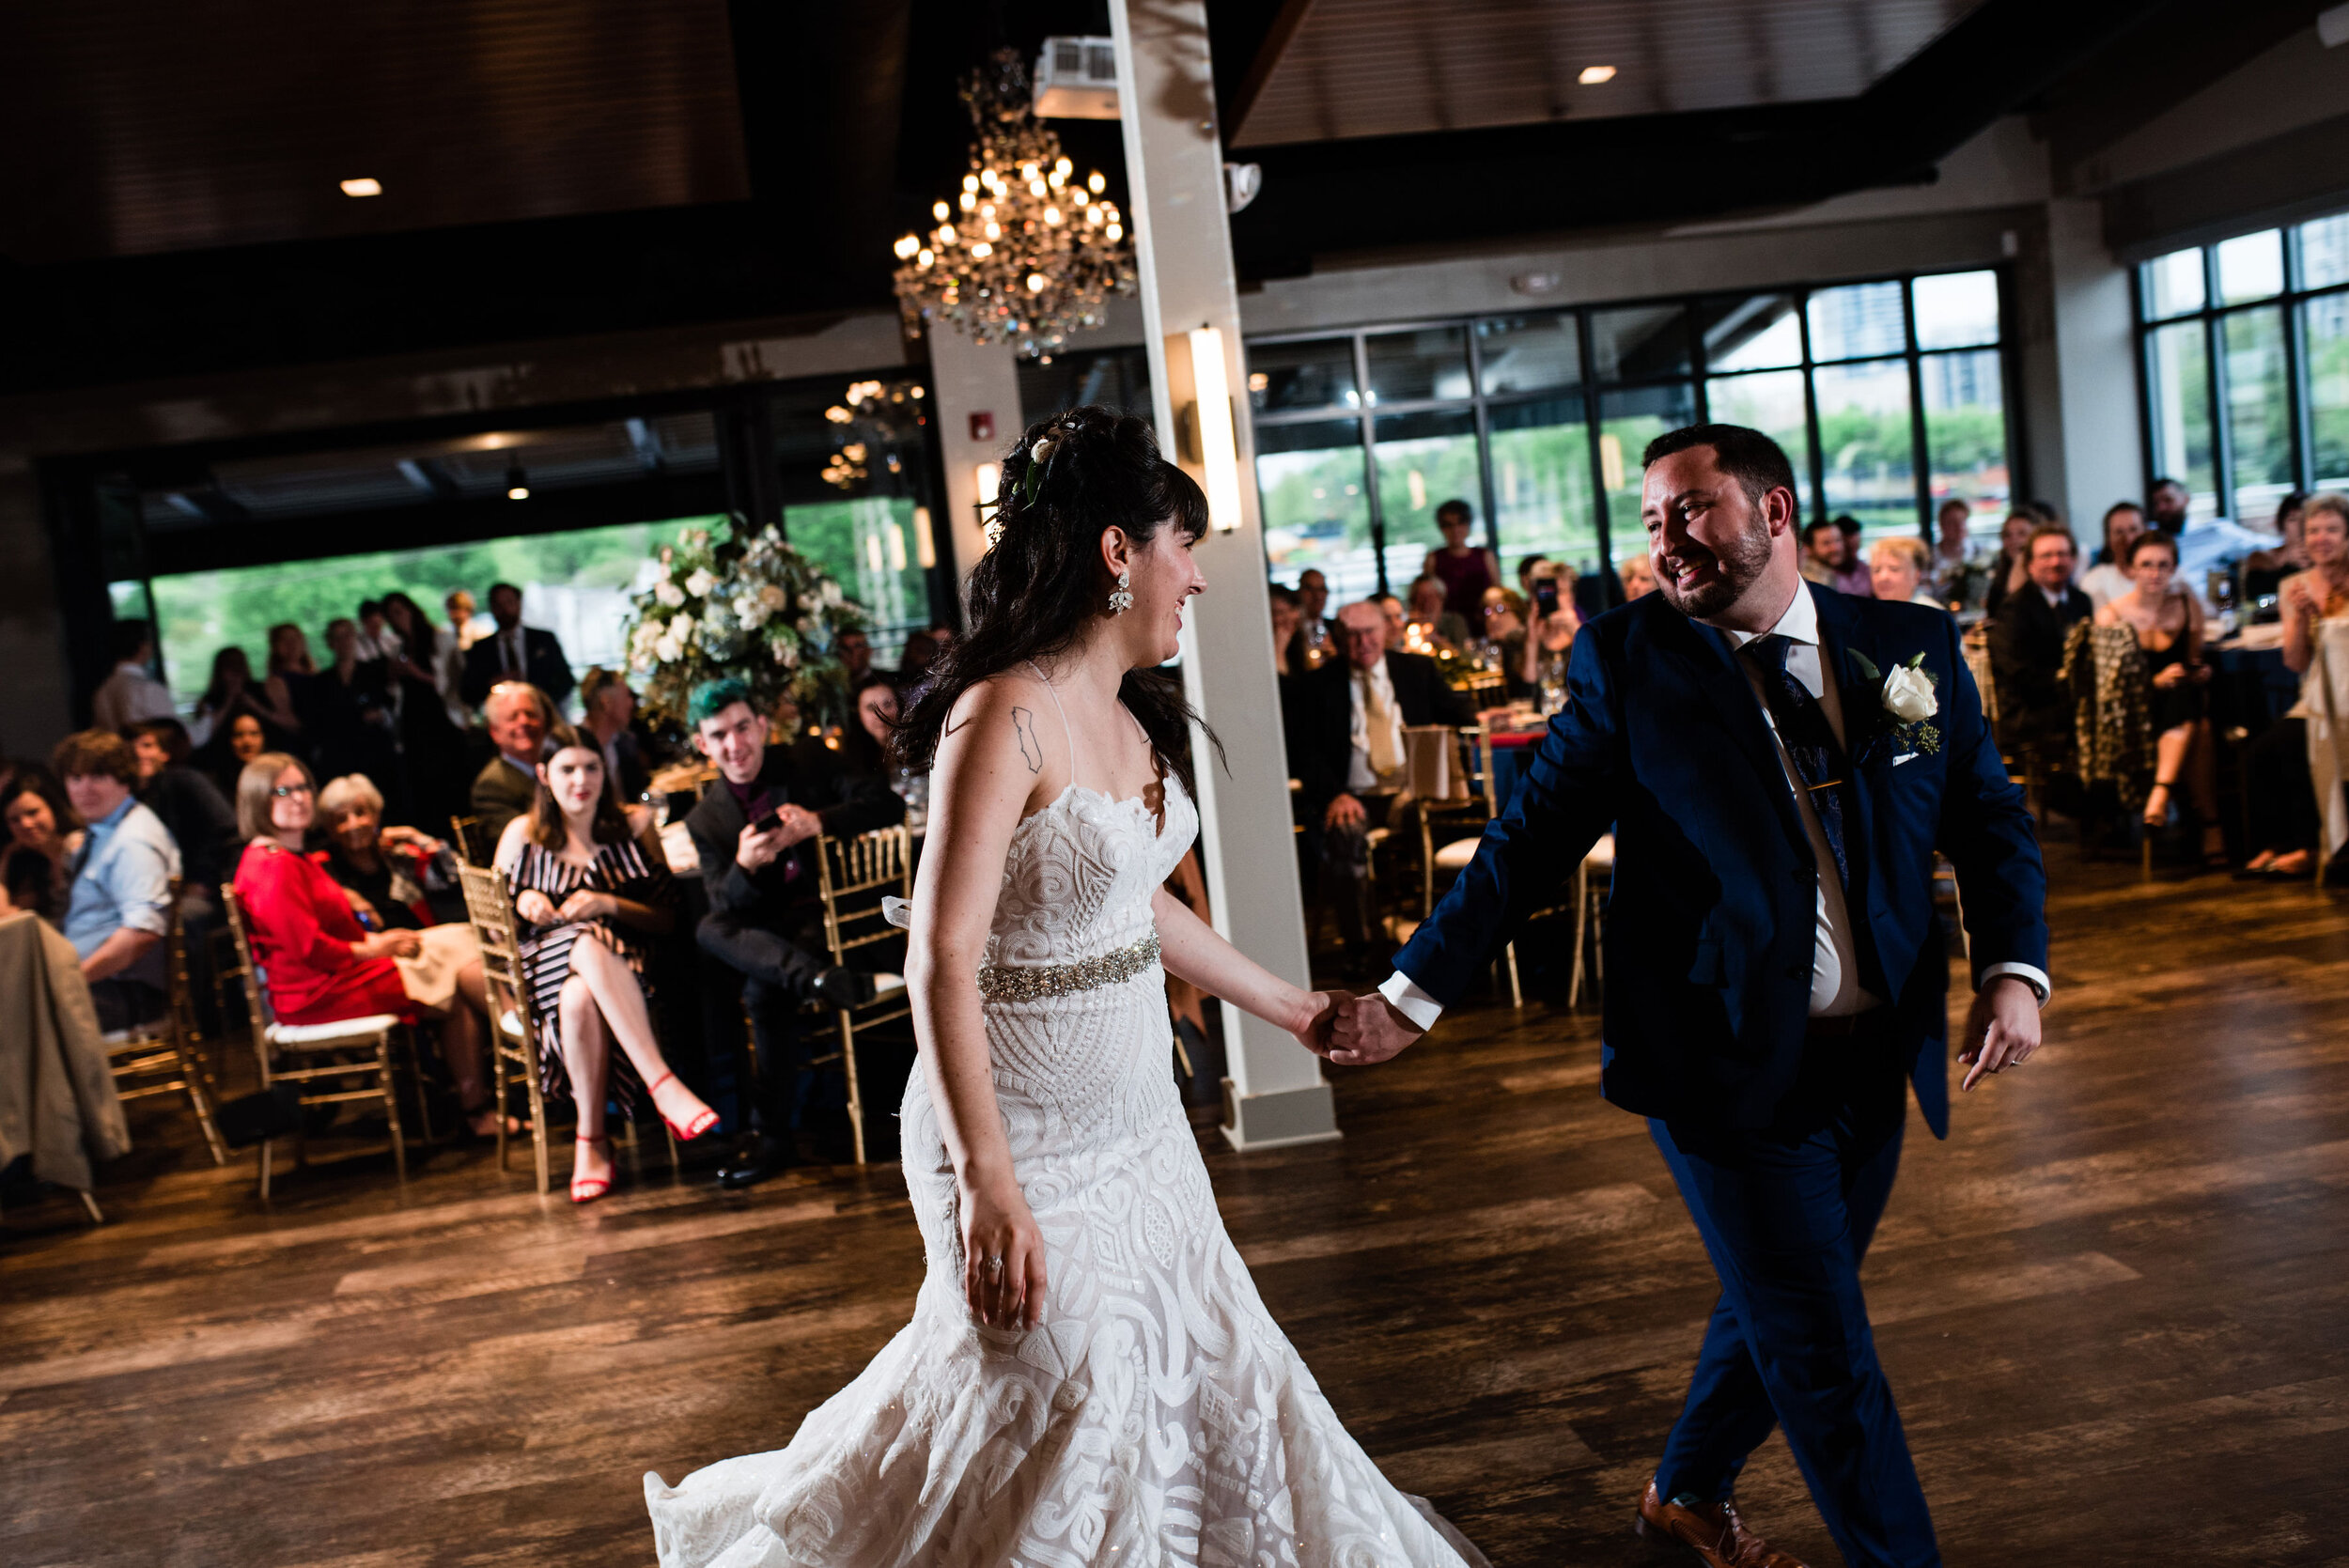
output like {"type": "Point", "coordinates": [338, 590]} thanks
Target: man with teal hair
{"type": "Point", "coordinates": [756, 831]}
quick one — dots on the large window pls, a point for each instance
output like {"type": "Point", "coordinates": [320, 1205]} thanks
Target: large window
{"type": "Point", "coordinates": [2244, 350]}
{"type": "Point", "coordinates": [1889, 396]}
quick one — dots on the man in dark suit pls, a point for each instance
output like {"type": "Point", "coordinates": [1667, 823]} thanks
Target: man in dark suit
{"type": "Point", "coordinates": [515, 652]}
{"type": "Point", "coordinates": [2026, 644]}
{"type": "Point", "coordinates": [1779, 763]}
{"type": "Point", "coordinates": [518, 717]}
{"type": "Point", "coordinates": [765, 919]}
{"type": "Point", "coordinates": [1348, 756]}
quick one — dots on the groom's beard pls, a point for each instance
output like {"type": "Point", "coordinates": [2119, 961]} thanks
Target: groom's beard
{"type": "Point", "coordinates": [1721, 580]}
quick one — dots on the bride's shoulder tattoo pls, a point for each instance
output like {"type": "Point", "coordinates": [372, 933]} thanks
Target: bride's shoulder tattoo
{"type": "Point", "coordinates": [1031, 748]}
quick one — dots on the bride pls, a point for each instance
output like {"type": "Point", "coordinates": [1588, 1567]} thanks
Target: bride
{"type": "Point", "coordinates": [1089, 1376]}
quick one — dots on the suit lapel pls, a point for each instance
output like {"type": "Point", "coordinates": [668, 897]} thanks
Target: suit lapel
{"type": "Point", "coordinates": [1845, 630]}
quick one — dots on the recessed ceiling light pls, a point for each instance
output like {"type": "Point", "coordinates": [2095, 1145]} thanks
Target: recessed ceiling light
{"type": "Point", "coordinates": [365, 187]}
{"type": "Point", "coordinates": [1591, 76]}
{"type": "Point", "coordinates": [517, 483]}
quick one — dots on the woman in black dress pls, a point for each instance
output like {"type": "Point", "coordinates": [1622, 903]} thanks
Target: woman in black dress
{"type": "Point", "coordinates": [2169, 626]}
{"type": "Point", "coordinates": [587, 894]}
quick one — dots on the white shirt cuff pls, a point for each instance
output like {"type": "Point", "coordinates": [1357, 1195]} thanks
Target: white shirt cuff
{"type": "Point", "coordinates": [1412, 1002]}
{"type": "Point", "coordinates": [2036, 979]}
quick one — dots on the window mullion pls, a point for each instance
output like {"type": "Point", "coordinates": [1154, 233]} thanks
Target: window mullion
{"type": "Point", "coordinates": [1919, 458]}
{"type": "Point", "coordinates": [1816, 455]}
{"type": "Point", "coordinates": [1370, 461]}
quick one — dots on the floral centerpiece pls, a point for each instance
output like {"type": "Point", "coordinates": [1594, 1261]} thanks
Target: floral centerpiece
{"type": "Point", "coordinates": [749, 606]}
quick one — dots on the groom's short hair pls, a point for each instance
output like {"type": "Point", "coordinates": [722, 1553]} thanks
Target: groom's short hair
{"type": "Point", "coordinates": [1753, 460]}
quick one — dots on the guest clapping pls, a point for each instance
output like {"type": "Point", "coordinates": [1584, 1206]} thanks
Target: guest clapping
{"type": "Point", "coordinates": [2285, 832]}
{"type": "Point", "coordinates": [2169, 626]}
{"type": "Point", "coordinates": [591, 894]}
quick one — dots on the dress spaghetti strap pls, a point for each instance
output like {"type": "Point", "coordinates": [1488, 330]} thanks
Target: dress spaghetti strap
{"type": "Point", "coordinates": [1064, 729]}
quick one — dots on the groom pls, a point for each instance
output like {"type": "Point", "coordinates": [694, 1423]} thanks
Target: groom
{"type": "Point", "coordinates": [1779, 763]}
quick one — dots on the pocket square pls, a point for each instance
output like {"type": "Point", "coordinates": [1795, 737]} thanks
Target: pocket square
{"type": "Point", "coordinates": [1906, 756]}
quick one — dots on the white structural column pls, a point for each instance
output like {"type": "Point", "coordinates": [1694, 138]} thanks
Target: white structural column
{"type": "Point", "coordinates": [1183, 252]}
{"type": "Point", "coordinates": [969, 380]}
{"type": "Point", "coordinates": [2095, 340]}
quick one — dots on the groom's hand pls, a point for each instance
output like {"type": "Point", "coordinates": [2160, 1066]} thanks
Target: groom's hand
{"type": "Point", "coordinates": [2002, 1028]}
{"type": "Point", "coordinates": [1367, 1030]}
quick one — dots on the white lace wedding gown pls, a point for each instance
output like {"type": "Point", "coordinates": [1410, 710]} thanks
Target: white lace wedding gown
{"type": "Point", "coordinates": [1157, 1415]}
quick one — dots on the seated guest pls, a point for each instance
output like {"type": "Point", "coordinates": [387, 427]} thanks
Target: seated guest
{"type": "Point", "coordinates": [1822, 552]}
{"type": "Point", "coordinates": [231, 691]}
{"type": "Point", "coordinates": [590, 894]}
{"type": "Point", "coordinates": [520, 717]}
{"type": "Point", "coordinates": [1854, 577]}
{"type": "Point", "coordinates": [241, 739]}
{"type": "Point", "coordinates": [1312, 607]}
{"type": "Point", "coordinates": [1397, 617]}
{"type": "Point", "coordinates": [2284, 830]}
{"type": "Point", "coordinates": [191, 809]}
{"type": "Point", "coordinates": [118, 908]}
{"type": "Point", "coordinates": [514, 652]}
{"type": "Point", "coordinates": [1897, 570]}
{"type": "Point", "coordinates": [2108, 578]}
{"type": "Point", "coordinates": [381, 869]}
{"type": "Point", "coordinates": [865, 746]}
{"type": "Point", "coordinates": [915, 658]}
{"type": "Point", "coordinates": [2027, 647]}
{"type": "Point", "coordinates": [43, 836]}
{"type": "Point", "coordinates": [351, 727]}
{"type": "Point", "coordinates": [1541, 654]}
{"type": "Point", "coordinates": [2264, 571]}
{"type": "Point", "coordinates": [1437, 623]}
{"type": "Point", "coordinates": [855, 651]}
{"type": "Point", "coordinates": [132, 692]}
{"type": "Point", "coordinates": [754, 831]}
{"type": "Point", "coordinates": [285, 690]}
{"type": "Point", "coordinates": [1464, 571]}
{"type": "Point", "coordinates": [1289, 644]}
{"type": "Point", "coordinates": [1350, 758]}
{"type": "Point", "coordinates": [1638, 575]}
{"type": "Point", "coordinates": [2011, 568]}
{"type": "Point", "coordinates": [320, 965]}
{"type": "Point", "coordinates": [607, 714]}
{"type": "Point", "coordinates": [2169, 626]}
{"type": "Point", "coordinates": [1952, 547]}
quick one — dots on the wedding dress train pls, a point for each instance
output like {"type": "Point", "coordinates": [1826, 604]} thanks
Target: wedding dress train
{"type": "Point", "coordinates": [1158, 1415]}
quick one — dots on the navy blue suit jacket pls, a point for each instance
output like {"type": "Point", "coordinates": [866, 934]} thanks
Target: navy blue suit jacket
{"type": "Point", "coordinates": [1711, 923]}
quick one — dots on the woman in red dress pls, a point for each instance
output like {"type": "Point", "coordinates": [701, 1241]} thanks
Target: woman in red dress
{"type": "Point", "coordinates": [321, 966]}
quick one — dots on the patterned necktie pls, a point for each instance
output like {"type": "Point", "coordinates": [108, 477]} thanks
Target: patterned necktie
{"type": "Point", "coordinates": [1810, 740]}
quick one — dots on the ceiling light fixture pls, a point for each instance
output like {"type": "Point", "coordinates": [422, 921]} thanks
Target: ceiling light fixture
{"type": "Point", "coordinates": [1028, 254]}
{"type": "Point", "coordinates": [1593, 75]}
{"type": "Point", "coordinates": [363, 187]}
{"type": "Point", "coordinates": [517, 483]}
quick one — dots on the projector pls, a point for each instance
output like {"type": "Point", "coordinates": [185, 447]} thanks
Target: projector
{"type": "Point", "coordinates": [1077, 78]}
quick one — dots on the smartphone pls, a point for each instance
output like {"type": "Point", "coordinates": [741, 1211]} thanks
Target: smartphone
{"type": "Point", "coordinates": [769, 821]}
{"type": "Point", "coordinates": [1546, 595]}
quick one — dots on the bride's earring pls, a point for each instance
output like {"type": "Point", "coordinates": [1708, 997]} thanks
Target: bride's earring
{"type": "Point", "coordinates": [1123, 599]}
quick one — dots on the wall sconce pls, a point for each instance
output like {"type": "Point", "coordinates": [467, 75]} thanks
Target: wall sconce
{"type": "Point", "coordinates": [1210, 417]}
{"type": "Point", "coordinates": [988, 480]}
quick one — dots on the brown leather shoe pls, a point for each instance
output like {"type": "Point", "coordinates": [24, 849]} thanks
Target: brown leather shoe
{"type": "Point", "coordinates": [1715, 1534]}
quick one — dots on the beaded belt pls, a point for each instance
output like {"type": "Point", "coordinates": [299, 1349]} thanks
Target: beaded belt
{"type": "Point", "coordinates": [998, 982]}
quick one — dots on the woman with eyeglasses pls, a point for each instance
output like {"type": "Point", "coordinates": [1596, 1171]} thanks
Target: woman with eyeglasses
{"type": "Point", "coordinates": [321, 965]}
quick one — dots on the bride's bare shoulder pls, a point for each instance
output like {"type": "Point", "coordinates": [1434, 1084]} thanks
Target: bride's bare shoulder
{"type": "Point", "coordinates": [1007, 723]}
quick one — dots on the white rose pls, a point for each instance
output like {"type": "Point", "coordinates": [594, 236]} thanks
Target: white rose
{"type": "Point", "coordinates": [682, 628]}
{"type": "Point", "coordinates": [700, 582]}
{"type": "Point", "coordinates": [666, 650]}
{"type": "Point", "coordinates": [752, 614]}
{"type": "Point", "coordinates": [668, 593]}
{"type": "Point", "coordinates": [1909, 694]}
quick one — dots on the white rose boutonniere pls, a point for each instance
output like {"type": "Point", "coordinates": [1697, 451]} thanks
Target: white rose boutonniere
{"type": "Point", "coordinates": [1909, 694]}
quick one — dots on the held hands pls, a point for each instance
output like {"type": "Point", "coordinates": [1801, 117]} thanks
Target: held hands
{"type": "Point", "coordinates": [587, 904]}
{"type": "Point", "coordinates": [1365, 1029]}
{"type": "Point", "coordinates": [536, 907]}
{"type": "Point", "coordinates": [2002, 1029]}
{"type": "Point", "coordinates": [1002, 1256]}
{"type": "Point", "coordinates": [389, 944]}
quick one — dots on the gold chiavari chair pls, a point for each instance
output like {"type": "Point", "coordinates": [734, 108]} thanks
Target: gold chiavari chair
{"type": "Point", "coordinates": [166, 1056]}
{"type": "Point", "coordinates": [464, 837]}
{"type": "Point", "coordinates": [1467, 814]}
{"type": "Point", "coordinates": [347, 1049]}
{"type": "Point", "coordinates": [513, 1038]}
{"type": "Point", "coordinates": [853, 877]}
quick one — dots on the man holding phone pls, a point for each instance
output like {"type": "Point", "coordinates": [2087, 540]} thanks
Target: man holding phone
{"type": "Point", "coordinates": [754, 831]}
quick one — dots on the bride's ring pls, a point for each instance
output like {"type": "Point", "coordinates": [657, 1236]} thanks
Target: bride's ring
{"type": "Point", "coordinates": [994, 1264]}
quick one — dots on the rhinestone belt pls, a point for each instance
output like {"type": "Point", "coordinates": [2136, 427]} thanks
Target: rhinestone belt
{"type": "Point", "coordinates": [998, 982]}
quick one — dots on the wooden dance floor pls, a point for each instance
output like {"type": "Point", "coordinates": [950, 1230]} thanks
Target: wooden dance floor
{"type": "Point", "coordinates": [2115, 1305]}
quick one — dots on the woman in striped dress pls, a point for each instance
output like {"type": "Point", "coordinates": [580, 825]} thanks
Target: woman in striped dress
{"type": "Point", "coordinates": [588, 894]}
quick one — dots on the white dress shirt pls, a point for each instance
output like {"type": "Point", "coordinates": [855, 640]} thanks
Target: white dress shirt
{"type": "Point", "coordinates": [130, 695]}
{"type": "Point", "coordinates": [1835, 988]}
{"type": "Point", "coordinates": [1361, 777]}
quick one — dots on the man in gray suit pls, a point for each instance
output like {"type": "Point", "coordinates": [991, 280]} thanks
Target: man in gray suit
{"type": "Point", "coordinates": [518, 717]}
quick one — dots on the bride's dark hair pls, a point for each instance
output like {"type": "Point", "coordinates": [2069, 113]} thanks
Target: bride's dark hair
{"type": "Point", "coordinates": [1044, 579]}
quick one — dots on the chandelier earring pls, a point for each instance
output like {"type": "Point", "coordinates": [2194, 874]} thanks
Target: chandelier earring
{"type": "Point", "coordinates": [1123, 599]}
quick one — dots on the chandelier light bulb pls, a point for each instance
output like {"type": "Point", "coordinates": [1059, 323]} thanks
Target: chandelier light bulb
{"type": "Point", "coordinates": [1037, 188]}
{"type": "Point", "coordinates": [925, 256]}
{"type": "Point", "coordinates": [986, 210]}
{"type": "Point", "coordinates": [1095, 183]}
{"type": "Point", "coordinates": [969, 182]}
{"type": "Point", "coordinates": [1058, 177]}
{"type": "Point", "coordinates": [945, 234]}
{"type": "Point", "coordinates": [981, 251]}
{"type": "Point", "coordinates": [939, 210]}
{"type": "Point", "coordinates": [1079, 197]}
{"type": "Point", "coordinates": [1114, 232]}
{"type": "Point", "coordinates": [1036, 282]}
{"type": "Point", "coordinates": [1051, 216]}
{"type": "Point", "coordinates": [969, 200]}
{"type": "Point", "coordinates": [994, 231]}
{"type": "Point", "coordinates": [1061, 167]}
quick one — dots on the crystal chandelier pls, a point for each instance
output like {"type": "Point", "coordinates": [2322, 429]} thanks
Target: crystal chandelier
{"type": "Point", "coordinates": [1025, 252]}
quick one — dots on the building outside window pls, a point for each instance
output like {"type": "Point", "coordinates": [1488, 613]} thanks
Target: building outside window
{"type": "Point", "coordinates": [2244, 351]}
{"type": "Point", "coordinates": [1889, 397]}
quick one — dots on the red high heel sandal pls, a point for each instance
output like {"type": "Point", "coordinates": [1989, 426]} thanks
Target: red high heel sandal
{"type": "Point", "coordinates": [586, 1190]}
{"type": "Point", "coordinates": [702, 1122]}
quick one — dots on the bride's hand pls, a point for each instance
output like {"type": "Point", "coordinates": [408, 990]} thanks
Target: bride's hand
{"type": "Point", "coordinates": [1002, 1269]}
{"type": "Point", "coordinates": [1311, 1024]}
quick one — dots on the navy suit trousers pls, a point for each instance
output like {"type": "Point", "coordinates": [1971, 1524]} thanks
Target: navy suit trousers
{"type": "Point", "coordinates": [1786, 1214]}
